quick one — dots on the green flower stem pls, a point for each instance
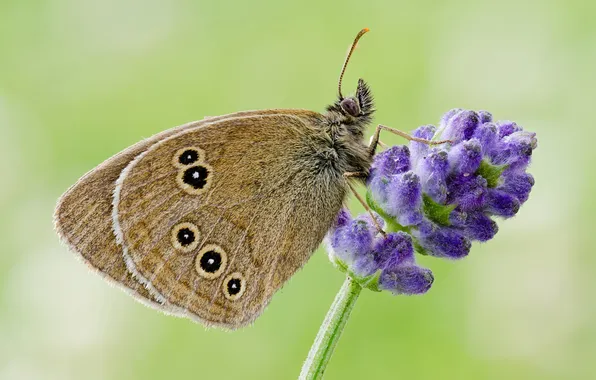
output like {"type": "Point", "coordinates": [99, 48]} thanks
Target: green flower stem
{"type": "Point", "coordinates": [330, 331]}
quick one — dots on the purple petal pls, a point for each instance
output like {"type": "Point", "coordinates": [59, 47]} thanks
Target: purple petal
{"type": "Point", "coordinates": [465, 157]}
{"type": "Point", "coordinates": [515, 150]}
{"type": "Point", "coordinates": [518, 184]}
{"type": "Point", "coordinates": [426, 132]}
{"type": "Point", "coordinates": [485, 117]}
{"type": "Point", "coordinates": [394, 160]}
{"type": "Point", "coordinates": [394, 250]}
{"type": "Point", "coordinates": [444, 242]}
{"type": "Point", "coordinates": [409, 280]}
{"type": "Point", "coordinates": [404, 199]}
{"type": "Point", "coordinates": [433, 171]}
{"type": "Point", "coordinates": [507, 127]}
{"type": "Point", "coordinates": [467, 191]}
{"type": "Point", "coordinates": [480, 227]}
{"type": "Point", "coordinates": [501, 203]}
{"type": "Point", "coordinates": [488, 136]}
{"type": "Point", "coordinates": [419, 150]}
{"type": "Point", "coordinates": [368, 219]}
{"type": "Point", "coordinates": [447, 116]}
{"type": "Point", "coordinates": [522, 143]}
{"type": "Point", "coordinates": [352, 240]}
{"type": "Point", "coordinates": [379, 189]}
{"type": "Point", "coordinates": [460, 126]}
{"type": "Point", "coordinates": [365, 265]}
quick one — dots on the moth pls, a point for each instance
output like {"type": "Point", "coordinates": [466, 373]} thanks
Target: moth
{"type": "Point", "coordinates": [209, 219]}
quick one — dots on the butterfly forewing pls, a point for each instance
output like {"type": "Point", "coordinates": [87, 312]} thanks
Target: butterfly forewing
{"type": "Point", "coordinates": [83, 215]}
{"type": "Point", "coordinates": [216, 218]}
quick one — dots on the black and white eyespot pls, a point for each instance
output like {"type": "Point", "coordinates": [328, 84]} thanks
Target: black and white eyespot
{"type": "Point", "coordinates": [187, 156]}
{"type": "Point", "coordinates": [211, 261]}
{"type": "Point", "coordinates": [234, 286]}
{"type": "Point", "coordinates": [195, 179]}
{"type": "Point", "coordinates": [185, 237]}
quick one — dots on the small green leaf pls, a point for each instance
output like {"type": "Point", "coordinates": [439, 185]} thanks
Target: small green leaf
{"type": "Point", "coordinates": [371, 282]}
{"type": "Point", "coordinates": [372, 204]}
{"type": "Point", "coordinates": [491, 172]}
{"type": "Point", "coordinates": [340, 264]}
{"type": "Point", "coordinates": [437, 212]}
{"type": "Point", "coordinates": [418, 248]}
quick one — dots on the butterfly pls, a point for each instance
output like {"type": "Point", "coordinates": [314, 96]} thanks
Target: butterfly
{"type": "Point", "coordinates": [209, 219]}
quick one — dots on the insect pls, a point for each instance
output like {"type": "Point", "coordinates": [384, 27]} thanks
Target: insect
{"type": "Point", "coordinates": [209, 219]}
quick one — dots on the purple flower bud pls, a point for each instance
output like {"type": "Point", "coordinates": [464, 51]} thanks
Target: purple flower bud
{"type": "Point", "coordinates": [365, 265]}
{"type": "Point", "coordinates": [394, 160]}
{"type": "Point", "coordinates": [394, 250]}
{"type": "Point", "coordinates": [519, 184]}
{"type": "Point", "coordinates": [426, 227]}
{"type": "Point", "coordinates": [480, 227]}
{"type": "Point", "coordinates": [465, 157]}
{"type": "Point", "coordinates": [379, 188]}
{"type": "Point", "coordinates": [515, 150]}
{"type": "Point", "coordinates": [458, 218]}
{"type": "Point", "coordinates": [352, 240]}
{"type": "Point", "coordinates": [419, 150]}
{"type": "Point", "coordinates": [507, 127]}
{"type": "Point", "coordinates": [488, 136]}
{"type": "Point", "coordinates": [404, 199]}
{"type": "Point", "coordinates": [523, 143]}
{"type": "Point", "coordinates": [443, 242]}
{"type": "Point", "coordinates": [447, 116]}
{"type": "Point", "coordinates": [408, 280]}
{"type": "Point", "coordinates": [485, 117]}
{"type": "Point", "coordinates": [371, 225]}
{"type": "Point", "coordinates": [460, 126]}
{"type": "Point", "coordinates": [467, 191]}
{"type": "Point", "coordinates": [501, 203]}
{"type": "Point", "coordinates": [433, 171]}
{"type": "Point", "coordinates": [426, 132]}
{"type": "Point", "coordinates": [475, 224]}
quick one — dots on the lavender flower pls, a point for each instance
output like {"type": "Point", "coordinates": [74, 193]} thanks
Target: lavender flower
{"type": "Point", "coordinates": [435, 200]}
{"type": "Point", "coordinates": [381, 262]}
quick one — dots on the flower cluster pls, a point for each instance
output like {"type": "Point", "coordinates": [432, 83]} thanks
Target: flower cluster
{"type": "Point", "coordinates": [434, 199]}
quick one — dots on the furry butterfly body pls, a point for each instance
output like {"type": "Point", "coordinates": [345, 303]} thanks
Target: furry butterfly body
{"type": "Point", "coordinates": [209, 219]}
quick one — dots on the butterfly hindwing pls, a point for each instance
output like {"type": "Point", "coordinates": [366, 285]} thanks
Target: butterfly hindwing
{"type": "Point", "coordinates": [216, 218]}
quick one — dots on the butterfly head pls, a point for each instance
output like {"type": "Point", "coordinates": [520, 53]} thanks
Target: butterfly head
{"type": "Point", "coordinates": [354, 110]}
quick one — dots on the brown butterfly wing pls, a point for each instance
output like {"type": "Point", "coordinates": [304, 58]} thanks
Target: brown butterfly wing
{"type": "Point", "coordinates": [217, 235]}
{"type": "Point", "coordinates": [83, 215]}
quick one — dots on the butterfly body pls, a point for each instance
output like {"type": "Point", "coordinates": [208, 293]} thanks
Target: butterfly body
{"type": "Point", "coordinates": [209, 219]}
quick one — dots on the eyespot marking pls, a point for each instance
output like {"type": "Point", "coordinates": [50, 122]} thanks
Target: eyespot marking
{"type": "Point", "coordinates": [187, 156]}
{"type": "Point", "coordinates": [195, 179]}
{"type": "Point", "coordinates": [211, 261]}
{"type": "Point", "coordinates": [234, 286]}
{"type": "Point", "coordinates": [185, 237]}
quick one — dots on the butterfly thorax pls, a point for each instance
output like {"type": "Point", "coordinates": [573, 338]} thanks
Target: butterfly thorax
{"type": "Point", "coordinates": [345, 121]}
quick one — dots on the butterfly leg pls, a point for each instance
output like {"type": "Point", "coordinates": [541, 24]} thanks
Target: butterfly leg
{"type": "Point", "coordinates": [374, 141]}
{"type": "Point", "coordinates": [362, 202]}
{"type": "Point", "coordinates": [382, 144]}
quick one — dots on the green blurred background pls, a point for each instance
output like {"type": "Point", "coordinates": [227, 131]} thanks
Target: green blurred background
{"type": "Point", "coordinates": [81, 80]}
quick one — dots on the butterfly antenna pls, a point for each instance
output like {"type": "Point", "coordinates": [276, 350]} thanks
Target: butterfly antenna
{"type": "Point", "coordinates": [343, 68]}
